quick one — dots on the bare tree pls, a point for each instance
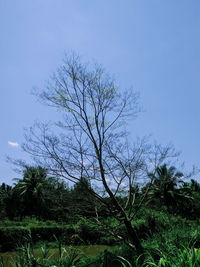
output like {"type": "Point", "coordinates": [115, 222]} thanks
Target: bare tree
{"type": "Point", "coordinates": [92, 143]}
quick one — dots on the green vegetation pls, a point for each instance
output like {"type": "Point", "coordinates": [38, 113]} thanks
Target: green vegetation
{"type": "Point", "coordinates": [170, 232]}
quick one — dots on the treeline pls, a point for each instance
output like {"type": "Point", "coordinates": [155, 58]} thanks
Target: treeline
{"type": "Point", "coordinates": [50, 198]}
{"type": "Point", "coordinates": [46, 198]}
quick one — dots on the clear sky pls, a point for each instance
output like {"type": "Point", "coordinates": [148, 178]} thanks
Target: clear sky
{"type": "Point", "coordinates": [152, 45]}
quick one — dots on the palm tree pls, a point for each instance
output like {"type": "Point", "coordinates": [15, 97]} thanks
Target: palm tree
{"type": "Point", "coordinates": [164, 185]}
{"type": "Point", "coordinates": [31, 189]}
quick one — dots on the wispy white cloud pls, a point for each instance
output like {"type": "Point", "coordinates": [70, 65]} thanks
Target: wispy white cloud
{"type": "Point", "coordinates": [13, 144]}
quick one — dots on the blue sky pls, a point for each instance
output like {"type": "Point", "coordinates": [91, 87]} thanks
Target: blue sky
{"type": "Point", "coordinates": [153, 46]}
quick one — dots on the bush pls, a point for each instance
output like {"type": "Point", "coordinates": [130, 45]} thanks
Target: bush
{"type": "Point", "coordinates": [13, 238]}
{"type": "Point", "coordinates": [14, 234]}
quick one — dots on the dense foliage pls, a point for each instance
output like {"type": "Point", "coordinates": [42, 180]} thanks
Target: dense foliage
{"type": "Point", "coordinates": [50, 198]}
{"type": "Point", "coordinates": [39, 208]}
{"type": "Point", "coordinates": [43, 197]}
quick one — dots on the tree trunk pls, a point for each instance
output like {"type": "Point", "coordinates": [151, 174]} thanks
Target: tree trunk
{"type": "Point", "coordinates": [132, 235]}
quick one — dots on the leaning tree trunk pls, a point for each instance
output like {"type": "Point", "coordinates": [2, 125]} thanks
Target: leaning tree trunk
{"type": "Point", "coordinates": [132, 235]}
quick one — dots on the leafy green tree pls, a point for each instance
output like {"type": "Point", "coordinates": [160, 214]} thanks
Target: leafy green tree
{"type": "Point", "coordinates": [195, 186]}
{"type": "Point", "coordinates": [58, 200]}
{"type": "Point", "coordinates": [83, 202]}
{"type": "Point", "coordinates": [190, 208]}
{"type": "Point", "coordinates": [5, 193]}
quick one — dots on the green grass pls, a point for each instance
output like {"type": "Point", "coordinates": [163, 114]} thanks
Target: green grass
{"type": "Point", "coordinates": [71, 257]}
{"type": "Point", "coordinates": [168, 239]}
{"type": "Point", "coordinates": [31, 223]}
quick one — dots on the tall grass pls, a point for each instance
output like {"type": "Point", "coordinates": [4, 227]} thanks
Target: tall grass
{"type": "Point", "coordinates": [185, 257]}
{"type": "Point", "coordinates": [26, 257]}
